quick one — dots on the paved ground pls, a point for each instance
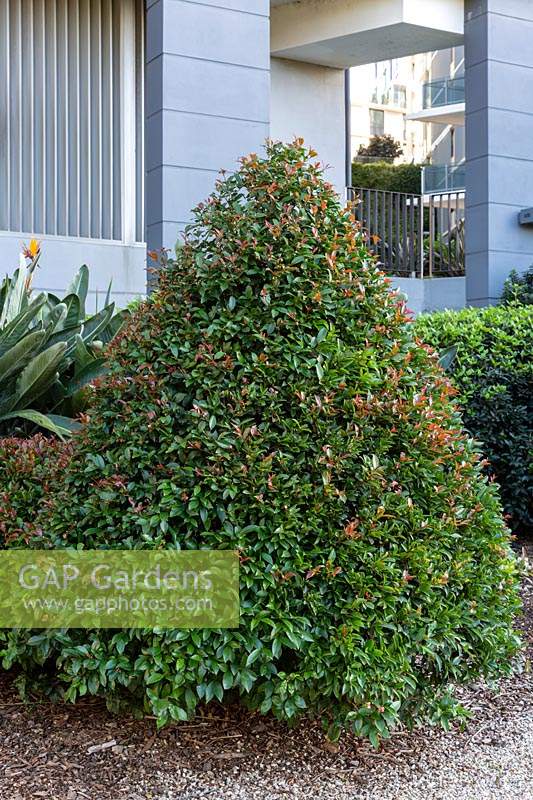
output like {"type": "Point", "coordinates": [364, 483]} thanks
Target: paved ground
{"type": "Point", "coordinates": [237, 756]}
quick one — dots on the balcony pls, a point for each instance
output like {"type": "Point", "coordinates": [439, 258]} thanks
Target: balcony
{"type": "Point", "coordinates": [443, 102]}
{"type": "Point", "coordinates": [341, 34]}
{"type": "Point", "coordinates": [445, 92]}
{"type": "Point", "coordinates": [413, 236]}
{"type": "Point", "coordinates": [443, 178]}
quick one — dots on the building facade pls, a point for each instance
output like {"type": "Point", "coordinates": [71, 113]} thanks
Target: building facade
{"type": "Point", "coordinates": [383, 95]}
{"type": "Point", "coordinates": [116, 115]}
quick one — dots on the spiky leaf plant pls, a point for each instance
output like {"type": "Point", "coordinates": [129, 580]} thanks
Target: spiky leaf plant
{"type": "Point", "coordinates": [50, 351]}
{"type": "Point", "coordinates": [270, 397]}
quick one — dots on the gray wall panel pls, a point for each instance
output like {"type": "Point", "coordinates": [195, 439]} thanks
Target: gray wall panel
{"type": "Point", "coordinates": [208, 98]}
{"type": "Point", "coordinates": [214, 33]}
{"type": "Point", "coordinates": [499, 128]}
{"type": "Point", "coordinates": [223, 90]}
{"type": "Point", "coordinates": [212, 143]}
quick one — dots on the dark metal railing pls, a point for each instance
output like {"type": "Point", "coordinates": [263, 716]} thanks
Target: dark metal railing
{"type": "Point", "coordinates": [412, 235]}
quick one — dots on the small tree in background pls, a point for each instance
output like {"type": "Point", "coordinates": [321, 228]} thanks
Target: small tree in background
{"type": "Point", "coordinates": [270, 398]}
{"type": "Point", "coordinates": [384, 146]}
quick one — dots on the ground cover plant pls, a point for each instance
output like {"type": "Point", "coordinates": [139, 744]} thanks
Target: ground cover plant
{"type": "Point", "coordinates": [493, 371]}
{"type": "Point", "coordinates": [270, 397]}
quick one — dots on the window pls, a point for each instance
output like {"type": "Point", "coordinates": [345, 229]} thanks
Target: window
{"type": "Point", "coordinates": [71, 118]}
{"type": "Point", "coordinates": [377, 122]}
{"type": "Point", "coordinates": [399, 95]}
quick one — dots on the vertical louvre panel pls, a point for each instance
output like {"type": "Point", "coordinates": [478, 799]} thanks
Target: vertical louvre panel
{"type": "Point", "coordinates": [51, 116]}
{"type": "Point", "coordinates": [71, 75]}
{"type": "Point", "coordinates": [107, 119]}
{"type": "Point", "coordinates": [116, 66]}
{"type": "Point", "coordinates": [5, 146]}
{"type": "Point", "coordinates": [14, 113]}
{"type": "Point", "coordinates": [62, 203]}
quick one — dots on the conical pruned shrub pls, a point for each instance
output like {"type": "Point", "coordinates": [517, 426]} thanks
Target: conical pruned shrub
{"type": "Point", "coordinates": [270, 397]}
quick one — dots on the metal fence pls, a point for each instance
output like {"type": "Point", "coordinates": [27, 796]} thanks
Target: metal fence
{"type": "Point", "coordinates": [412, 235]}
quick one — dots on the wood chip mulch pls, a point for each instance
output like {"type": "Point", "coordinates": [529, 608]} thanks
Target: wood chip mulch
{"type": "Point", "coordinates": [82, 752]}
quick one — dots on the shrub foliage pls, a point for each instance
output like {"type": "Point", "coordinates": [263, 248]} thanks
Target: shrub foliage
{"type": "Point", "coordinates": [388, 177]}
{"type": "Point", "coordinates": [30, 472]}
{"type": "Point", "coordinates": [494, 374]}
{"type": "Point", "coordinates": [270, 398]}
{"type": "Point", "coordinates": [518, 288]}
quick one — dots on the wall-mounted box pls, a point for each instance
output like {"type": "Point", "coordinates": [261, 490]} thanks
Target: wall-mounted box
{"type": "Point", "coordinates": [525, 217]}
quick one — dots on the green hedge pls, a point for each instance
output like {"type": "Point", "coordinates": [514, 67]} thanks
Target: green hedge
{"type": "Point", "coordinates": [390, 177]}
{"type": "Point", "coordinates": [270, 398]}
{"type": "Point", "coordinates": [493, 372]}
{"type": "Point", "coordinates": [30, 472]}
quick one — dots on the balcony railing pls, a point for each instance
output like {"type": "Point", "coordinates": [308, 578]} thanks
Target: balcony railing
{"type": "Point", "coordinates": [447, 91]}
{"type": "Point", "coordinates": [413, 236]}
{"type": "Point", "coordinates": [439, 178]}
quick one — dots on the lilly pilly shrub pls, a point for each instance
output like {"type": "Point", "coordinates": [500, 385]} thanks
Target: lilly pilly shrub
{"type": "Point", "coordinates": [270, 398]}
{"type": "Point", "coordinates": [30, 470]}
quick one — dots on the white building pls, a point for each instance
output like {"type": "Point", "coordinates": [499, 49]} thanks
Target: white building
{"type": "Point", "coordinates": [116, 115]}
{"type": "Point", "coordinates": [382, 96]}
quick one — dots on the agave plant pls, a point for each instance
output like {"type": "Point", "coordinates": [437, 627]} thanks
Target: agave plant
{"type": "Point", "coordinates": [49, 350]}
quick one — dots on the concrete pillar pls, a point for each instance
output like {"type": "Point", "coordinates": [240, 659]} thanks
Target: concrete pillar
{"type": "Point", "coordinates": [499, 142]}
{"type": "Point", "coordinates": [207, 101]}
{"type": "Point", "coordinates": [308, 101]}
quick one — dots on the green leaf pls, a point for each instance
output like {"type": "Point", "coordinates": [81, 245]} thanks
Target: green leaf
{"type": "Point", "coordinates": [39, 374]}
{"type": "Point", "coordinates": [447, 357]}
{"type": "Point", "coordinates": [79, 286]}
{"type": "Point", "coordinates": [227, 680]}
{"type": "Point", "coordinates": [74, 314]}
{"type": "Point", "coordinates": [17, 292]}
{"type": "Point", "coordinates": [81, 353]}
{"type": "Point", "coordinates": [83, 377]}
{"type": "Point", "coordinates": [61, 426]}
{"type": "Point", "coordinates": [16, 358]}
{"type": "Point", "coordinates": [92, 327]}
{"type": "Point", "coordinates": [18, 327]}
{"type": "Point", "coordinates": [254, 655]}
{"type": "Point", "coordinates": [55, 319]}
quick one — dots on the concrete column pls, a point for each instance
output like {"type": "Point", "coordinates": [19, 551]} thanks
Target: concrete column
{"type": "Point", "coordinates": [499, 142]}
{"type": "Point", "coordinates": [308, 101]}
{"type": "Point", "coordinates": [207, 101]}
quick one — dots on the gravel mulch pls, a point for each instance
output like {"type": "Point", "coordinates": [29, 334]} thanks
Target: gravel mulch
{"type": "Point", "coordinates": [81, 752]}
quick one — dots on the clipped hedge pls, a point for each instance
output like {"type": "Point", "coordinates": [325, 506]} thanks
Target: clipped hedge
{"type": "Point", "coordinates": [30, 471]}
{"type": "Point", "coordinates": [493, 371]}
{"type": "Point", "coordinates": [270, 397]}
{"type": "Point", "coordinates": [389, 177]}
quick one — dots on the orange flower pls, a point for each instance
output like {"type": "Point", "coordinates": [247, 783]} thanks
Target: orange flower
{"type": "Point", "coordinates": [32, 250]}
